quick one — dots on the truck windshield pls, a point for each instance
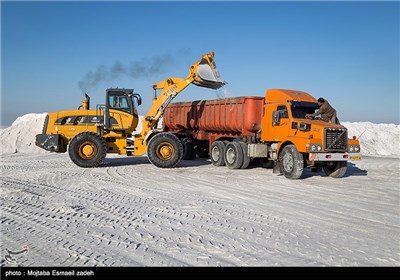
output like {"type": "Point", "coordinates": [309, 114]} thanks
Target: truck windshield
{"type": "Point", "coordinates": [300, 109]}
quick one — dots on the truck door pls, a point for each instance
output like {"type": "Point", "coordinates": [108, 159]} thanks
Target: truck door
{"type": "Point", "coordinates": [280, 123]}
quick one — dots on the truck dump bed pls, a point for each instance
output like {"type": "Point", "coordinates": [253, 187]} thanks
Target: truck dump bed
{"type": "Point", "coordinates": [238, 116]}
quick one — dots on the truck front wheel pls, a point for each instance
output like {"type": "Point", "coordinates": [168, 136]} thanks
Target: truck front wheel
{"type": "Point", "coordinates": [165, 150]}
{"type": "Point", "coordinates": [291, 162]}
{"type": "Point", "coordinates": [336, 169]}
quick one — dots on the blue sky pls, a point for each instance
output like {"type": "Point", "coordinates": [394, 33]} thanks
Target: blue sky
{"type": "Point", "coordinates": [346, 52]}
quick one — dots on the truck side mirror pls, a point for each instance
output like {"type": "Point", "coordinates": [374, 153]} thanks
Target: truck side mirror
{"type": "Point", "coordinates": [276, 116]}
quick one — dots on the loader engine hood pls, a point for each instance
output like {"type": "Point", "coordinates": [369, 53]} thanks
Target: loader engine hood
{"type": "Point", "coordinates": [205, 73]}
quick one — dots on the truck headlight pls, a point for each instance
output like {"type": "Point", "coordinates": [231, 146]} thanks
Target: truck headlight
{"type": "Point", "coordinates": [354, 148]}
{"type": "Point", "coordinates": [315, 148]}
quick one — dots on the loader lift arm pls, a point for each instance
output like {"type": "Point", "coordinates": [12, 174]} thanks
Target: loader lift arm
{"type": "Point", "coordinates": [202, 73]}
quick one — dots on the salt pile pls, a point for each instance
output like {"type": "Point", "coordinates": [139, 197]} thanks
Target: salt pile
{"type": "Point", "coordinates": [20, 136]}
{"type": "Point", "coordinates": [376, 139]}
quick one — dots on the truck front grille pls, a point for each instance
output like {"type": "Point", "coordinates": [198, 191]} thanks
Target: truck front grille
{"type": "Point", "coordinates": [335, 139]}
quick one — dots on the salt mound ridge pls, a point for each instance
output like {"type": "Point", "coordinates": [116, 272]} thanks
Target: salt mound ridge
{"type": "Point", "coordinates": [20, 136]}
{"type": "Point", "coordinates": [376, 139]}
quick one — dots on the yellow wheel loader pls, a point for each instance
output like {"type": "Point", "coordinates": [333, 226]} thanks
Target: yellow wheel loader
{"type": "Point", "coordinates": [88, 135]}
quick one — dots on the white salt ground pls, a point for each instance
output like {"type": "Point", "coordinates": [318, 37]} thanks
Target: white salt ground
{"type": "Point", "coordinates": [131, 213]}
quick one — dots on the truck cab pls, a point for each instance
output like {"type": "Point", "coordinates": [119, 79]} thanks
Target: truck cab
{"type": "Point", "coordinates": [315, 142]}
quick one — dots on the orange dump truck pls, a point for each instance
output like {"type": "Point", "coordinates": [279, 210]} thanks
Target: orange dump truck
{"type": "Point", "coordinates": [235, 131]}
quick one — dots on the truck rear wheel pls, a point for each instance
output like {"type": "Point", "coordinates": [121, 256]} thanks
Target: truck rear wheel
{"type": "Point", "coordinates": [188, 151]}
{"type": "Point", "coordinates": [233, 155]}
{"type": "Point", "coordinates": [165, 150]}
{"type": "Point", "coordinates": [246, 158]}
{"type": "Point", "coordinates": [217, 153]}
{"type": "Point", "coordinates": [336, 169]}
{"type": "Point", "coordinates": [202, 151]}
{"type": "Point", "coordinates": [87, 149]}
{"type": "Point", "coordinates": [291, 162]}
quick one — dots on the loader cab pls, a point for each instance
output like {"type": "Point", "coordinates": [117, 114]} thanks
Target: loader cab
{"type": "Point", "coordinates": [123, 100]}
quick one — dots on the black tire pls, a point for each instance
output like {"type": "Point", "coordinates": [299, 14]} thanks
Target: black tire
{"type": "Point", "coordinates": [266, 163]}
{"type": "Point", "coordinates": [246, 158]}
{"type": "Point", "coordinates": [188, 152]}
{"type": "Point", "coordinates": [226, 142]}
{"type": "Point", "coordinates": [316, 169]}
{"type": "Point", "coordinates": [201, 151]}
{"type": "Point", "coordinates": [165, 150]}
{"type": "Point", "coordinates": [233, 155]}
{"type": "Point", "coordinates": [217, 153]}
{"type": "Point", "coordinates": [87, 149]}
{"type": "Point", "coordinates": [291, 162]}
{"type": "Point", "coordinates": [336, 169]}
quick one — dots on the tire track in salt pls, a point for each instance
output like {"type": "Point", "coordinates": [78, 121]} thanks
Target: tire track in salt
{"type": "Point", "coordinates": [129, 209]}
{"type": "Point", "coordinates": [42, 220]}
{"type": "Point", "coordinates": [201, 202]}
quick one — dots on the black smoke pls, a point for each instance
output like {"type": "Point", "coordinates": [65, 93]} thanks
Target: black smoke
{"type": "Point", "coordinates": [144, 67]}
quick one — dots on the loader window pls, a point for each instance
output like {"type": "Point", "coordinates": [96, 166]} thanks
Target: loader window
{"type": "Point", "coordinates": [120, 99]}
{"type": "Point", "coordinates": [119, 102]}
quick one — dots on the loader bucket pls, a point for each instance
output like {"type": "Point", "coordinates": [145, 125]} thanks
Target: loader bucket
{"type": "Point", "coordinates": [206, 73]}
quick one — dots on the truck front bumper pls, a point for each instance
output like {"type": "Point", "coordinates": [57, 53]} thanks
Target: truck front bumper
{"type": "Point", "coordinates": [333, 157]}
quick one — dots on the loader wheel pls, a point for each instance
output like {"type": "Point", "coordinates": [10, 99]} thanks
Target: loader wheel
{"type": "Point", "coordinates": [336, 169]}
{"type": "Point", "coordinates": [291, 162]}
{"type": "Point", "coordinates": [217, 153]}
{"type": "Point", "coordinates": [87, 149]}
{"type": "Point", "coordinates": [165, 150]}
{"type": "Point", "coordinates": [233, 155]}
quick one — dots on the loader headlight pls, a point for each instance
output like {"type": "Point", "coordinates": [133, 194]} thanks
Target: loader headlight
{"type": "Point", "coordinates": [315, 148]}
